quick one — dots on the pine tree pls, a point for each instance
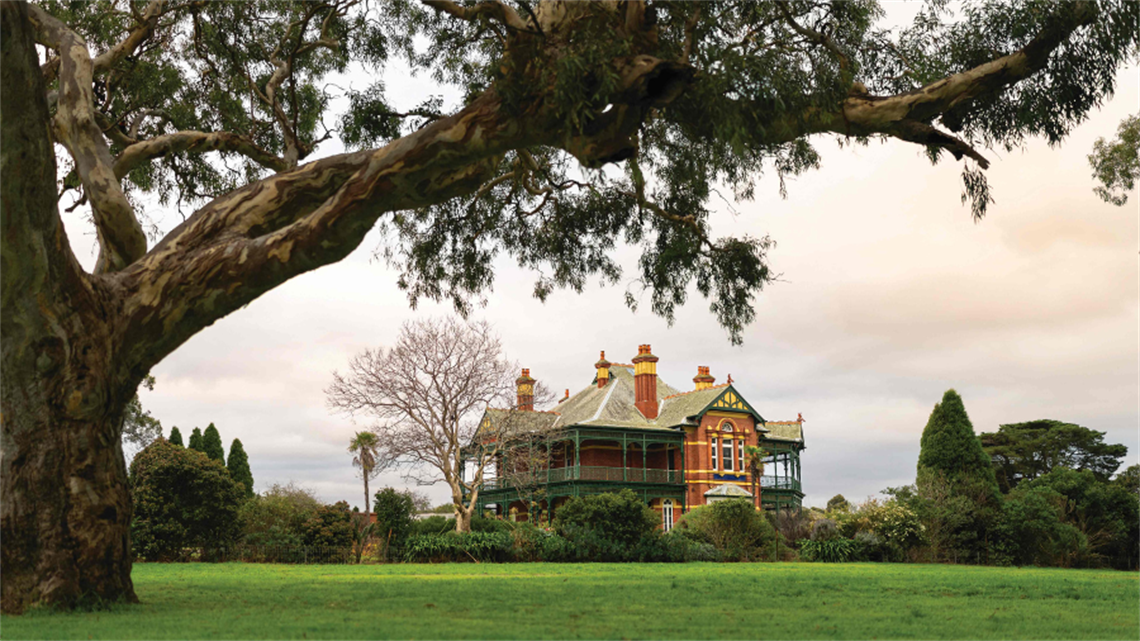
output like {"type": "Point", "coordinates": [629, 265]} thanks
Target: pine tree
{"type": "Point", "coordinates": [212, 444]}
{"type": "Point", "coordinates": [238, 465]}
{"type": "Point", "coordinates": [196, 440]}
{"type": "Point", "coordinates": [175, 436]}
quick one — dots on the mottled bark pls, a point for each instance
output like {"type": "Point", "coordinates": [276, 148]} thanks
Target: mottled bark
{"type": "Point", "coordinates": [65, 508]}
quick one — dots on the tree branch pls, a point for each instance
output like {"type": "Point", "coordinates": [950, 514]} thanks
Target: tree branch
{"type": "Point", "coordinates": [121, 238]}
{"type": "Point", "coordinates": [493, 9]}
{"type": "Point", "coordinates": [194, 141]}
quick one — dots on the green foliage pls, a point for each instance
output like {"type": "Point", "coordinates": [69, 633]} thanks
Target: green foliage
{"type": "Point", "coordinates": [394, 522]}
{"type": "Point", "coordinates": [734, 527]}
{"type": "Point", "coordinates": [890, 529]}
{"type": "Point", "coordinates": [329, 526]}
{"type": "Point", "coordinates": [838, 503]}
{"type": "Point", "coordinates": [181, 499]}
{"type": "Point", "coordinates": [1023, 451]}
{"type": "Point", "coordinates": [1032, 530]}
{"type": "Point", "coordinates": [949, 445]}
{"type": "Point", "coordinates": [238, 466]}
{"type": "Point", "coordinates": [212, 444]}
{"type": "Point", "coordinates": [196, 441]}
{"type": "Point", "coordinates": [175, 437]}
{"type": "Point", "coordinates": [140, 428]}
{"type": "Point", "coordinates": [1106, 514]}
{"type": "Point", "coordinates": [958, 498]}
{"type": "Point", "coordinates": [277, 517]}
{"type": "Point", "coordinates": [1129, 479]}
{"type": "Point", "coordinates": [618, 517]}
{"type": "Point", "coordinates": [459, 548]}
{"type": "Point", "coordinates": [1116, 164]}
{"type": "Point", "coordinates": [837, 550]}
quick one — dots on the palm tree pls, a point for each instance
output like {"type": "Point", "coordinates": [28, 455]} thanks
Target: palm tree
{"type": "Point", "coordinates": [365, 446]}
{"type": "Point", "coordinates": [755, 457]}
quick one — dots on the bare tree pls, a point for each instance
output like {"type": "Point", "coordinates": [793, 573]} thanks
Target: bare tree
{"type": "Point", "coordinates": [430, 390]}
{"type": "Point", "coordinates": [525, 460]}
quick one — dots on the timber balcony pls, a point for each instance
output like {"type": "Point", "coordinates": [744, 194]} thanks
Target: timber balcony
{"type": "Point", "coordinates": [595, 473]}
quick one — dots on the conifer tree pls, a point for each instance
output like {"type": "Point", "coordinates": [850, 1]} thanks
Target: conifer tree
{"type": "Point", "coordinates": [956, 482]}
{"type": "Point", "coordinates": [196, 440]}
{"type": "Point", "coordinates": [212, 444]}
{"type": "Point", "coordinates": [175, 437]}
{"type": "Point", "coordinates": [238, 465]}
{"type": "Point", "coordinates": [949, 445]}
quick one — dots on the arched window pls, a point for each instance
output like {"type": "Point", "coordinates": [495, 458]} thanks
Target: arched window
{"type": "Point", "coordinates": [667, 514]}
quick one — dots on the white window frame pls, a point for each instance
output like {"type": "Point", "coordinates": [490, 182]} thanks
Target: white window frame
{"type": "Point", "coordinates": [667, 514]}
{"type": "Point", "coordinates": [715, 445]}
{"type": "Point", "coordinates": [726, 451]}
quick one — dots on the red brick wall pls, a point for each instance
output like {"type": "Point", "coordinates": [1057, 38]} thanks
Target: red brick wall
{"type": "Point", "coordinates": [699, 475]}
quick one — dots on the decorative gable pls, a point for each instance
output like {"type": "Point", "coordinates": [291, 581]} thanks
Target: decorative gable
{"type": "Point", "coordinates": [731, 400]}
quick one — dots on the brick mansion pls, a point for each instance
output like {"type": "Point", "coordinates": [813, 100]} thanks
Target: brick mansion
{"type": "Point", "coordinates": [629, 429]}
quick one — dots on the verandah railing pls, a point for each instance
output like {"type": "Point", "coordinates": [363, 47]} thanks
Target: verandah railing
{"type": "Point", "coordinates": [592, 473]}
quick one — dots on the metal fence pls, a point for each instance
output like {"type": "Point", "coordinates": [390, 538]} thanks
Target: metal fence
{"type": "Point", "coordinates": [297, 554]}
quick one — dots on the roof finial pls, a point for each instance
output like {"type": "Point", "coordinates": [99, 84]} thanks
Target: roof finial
{"type": "Point", "coordinates": [730, 379]}
{"type": "Point", "coordinates": [800, 417]}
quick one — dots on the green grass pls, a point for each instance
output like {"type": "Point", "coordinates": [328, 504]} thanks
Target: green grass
{"type": "Point", "coordinates": [601, 601]}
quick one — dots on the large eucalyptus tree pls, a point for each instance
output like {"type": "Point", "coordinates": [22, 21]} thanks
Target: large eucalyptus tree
{"type": "Point", "coordinates": [218, 106]}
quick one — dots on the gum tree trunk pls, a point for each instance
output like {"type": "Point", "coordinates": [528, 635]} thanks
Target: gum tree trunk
{"type": "Point", "coordinates": [65, 506]}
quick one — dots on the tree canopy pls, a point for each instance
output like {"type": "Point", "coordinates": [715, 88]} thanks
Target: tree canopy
{"type": "Point", "coordinates": [1025, 451]}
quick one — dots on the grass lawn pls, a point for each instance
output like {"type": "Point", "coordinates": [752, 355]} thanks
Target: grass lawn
{"type": "Point", "coordinates": [602, 601]}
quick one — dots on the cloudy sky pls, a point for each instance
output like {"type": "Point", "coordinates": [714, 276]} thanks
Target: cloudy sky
{"type": "Point", "coordinates": [890, 295]}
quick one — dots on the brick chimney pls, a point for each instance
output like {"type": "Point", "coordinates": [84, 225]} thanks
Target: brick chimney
{"type": "Point", "coordinates": [603, 367]}
{"type": "Point", "coordinates": [703, 379]}
{"type": "Point", "coordinates": [525, 391]}
{"type": "Point", "coordinates": [645, 382]}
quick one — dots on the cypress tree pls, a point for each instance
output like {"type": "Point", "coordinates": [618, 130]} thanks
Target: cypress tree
{"type": "Point", "coordinates": [950, 447]}
{"type": "Point", "coordinates": [956, 479]}
{"type": "Point", "coordinates": [175, 436]}
{"type": "Point", "coordinates": [238, 465]}
{"type": "Point", "coordinates": [212, 444]}
{"type": "Point", "coordinates": [196, 440]}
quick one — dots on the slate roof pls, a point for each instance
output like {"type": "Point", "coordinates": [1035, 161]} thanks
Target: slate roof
{"type": "Point", "coordinates": [515, 422]}
{"type": "Point", "coordinates": [613, 406]}
{"type": "Point", "coordinates": [785, 431]}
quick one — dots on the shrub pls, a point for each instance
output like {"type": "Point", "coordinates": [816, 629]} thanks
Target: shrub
{"type": "Point", "coordinates": [181, 499]}
{"type": "Point", "coordinates": [458, 548]}
{"type": "Point", "coordinates": [276, 517]}
{"type": "Point", "coordinates": [619, 517]}
{"type": "Point", "coordinates": [824, 530]}
{"type": "Point", "coordinates": [329, 526]}
{"type": "Point", "coordinates": [837, 550]}
{"type": "Point", "coordinates": [734, 527]}
{"type": "Point", "coordinates": [393, 521]}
